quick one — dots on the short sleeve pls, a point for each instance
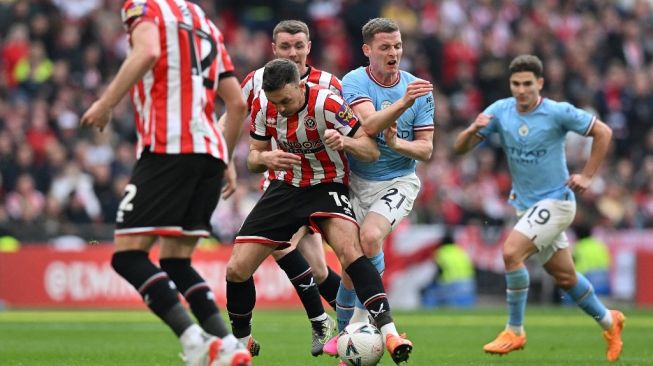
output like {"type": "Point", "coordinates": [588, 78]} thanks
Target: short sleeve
{"type": "Point", "coordinates": [258, 120]}
{"type": "Point", "coordinates": [424, 120]}
{"type": "Point", "coordinates": [337, 112]}
{"type": "Point", "coordinates": [574, 119]}
{"type": "Point", "coordinates": [492, 126]}
{"type": "Point", "coordinates": [352, 89]}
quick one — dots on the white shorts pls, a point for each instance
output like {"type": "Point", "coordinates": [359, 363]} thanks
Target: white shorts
{"type": "Point", "coordinates": [392, 199]}
{"type": "Point", "coordinates": [545, 224]}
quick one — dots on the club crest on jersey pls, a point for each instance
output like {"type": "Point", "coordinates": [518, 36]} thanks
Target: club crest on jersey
{"type": "Point", "coordinates": [385, 104]}
{"type": "Point", "coordinates": [309, 123]}
{"type": "Point", "coordinates": [523, 130]}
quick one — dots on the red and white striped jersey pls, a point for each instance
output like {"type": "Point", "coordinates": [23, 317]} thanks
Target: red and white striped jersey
{"type": "Point", "coordinates": [252, 85]}
{"type": "Point", "coordinates": [174, 102]}
{"type": "Point", "coordinates": [302, 134]}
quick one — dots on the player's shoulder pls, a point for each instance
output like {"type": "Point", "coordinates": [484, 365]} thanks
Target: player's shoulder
{"type": "Point", "coordinates": [255, 77]}
{"type": "Point", "coordinates": [196, 8]}
{"type": "Point", "coordinates": [407, 77]}
{"type": "Point", "coordinates": [504, 105]}
{"type": "Point", "coordinates": [554, 105]}
{"type": "Point", "coordinates": [356, 74]}
{"type": "Point", "coordinates": [319, 73]}
{"type": "Point", "coordinates": [133, 9]}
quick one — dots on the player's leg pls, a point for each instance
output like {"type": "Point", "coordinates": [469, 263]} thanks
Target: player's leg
{"type": "Point", "coordinates": [516, 250]}
{"type": "Point", "coordinates": [561, 267]}
{"type": "Point", "coordinates": [535, 232]}
{"type": "Point", "coordinates": [176, 261]}
{"type": "Point", "coordinates": [375, 228]}
{"type": "Point", "coordinates": [175, 256]}
{"type": "Point", "coordinates": [241, 293]}
{"type": "Point", "coordinates": [269, 226]}
{"type": "Point", "coordinates": [342, 235]}
{"type": "Point", "coordinates": [312, 248]}
{"type": "Point", "coordinates": [154, 203]}
{"type": "Point", "coordinates": [296, 267]}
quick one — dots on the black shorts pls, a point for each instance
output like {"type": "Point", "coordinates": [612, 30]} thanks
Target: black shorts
{"type": "Point", "coordinates": [171, 195]}
{"type": "Point", "coordinates": [284, 208]}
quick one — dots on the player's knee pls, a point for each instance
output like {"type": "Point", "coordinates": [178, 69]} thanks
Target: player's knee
{"type": "Point", "coordinates": [125, 262]}
{"type": "Point", "coordinates": [320, 273]}
{"type": "Point", "coordinates": [511, 259]}
{"type": "Point", "coordinates": [566, 280]}
{"type": "Point", "coordinates": [237, 272]}
{"type": "Point", "coordinates": [371, 238]}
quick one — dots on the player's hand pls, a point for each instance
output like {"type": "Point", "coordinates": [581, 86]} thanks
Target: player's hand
{"type": "Point", "coordinates": [280, 160]}
{"type": "Point", "coordinates": [415, 89]}
{"type": "Point", "coordinates": [230, 180]}
{"type": "Point", "coordinates": [334, 140]}
{"type": "Point", "coordinates": [579, 183]}
{"type": "Point", "coordinates": [98, 115]}
{"type": "Point", "coordinates": [481, 121]}
{"type": "Point", "coordinates": [390, 135]}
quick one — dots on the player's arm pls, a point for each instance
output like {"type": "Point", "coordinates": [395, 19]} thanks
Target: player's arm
{"type": "Point", "coordinates": [374, 121]}
{"type": "Point", "coordinates": [362, 147]}
{"type": "Point", "coordinates": [231, 121]}
{"type": "Point", "coordinates": [260, 157]}
{"type": "Point", "coordinates": [420, 148]}
{"type": "Point", "coordinates": [601, 135]}
{"type": "Point", "coordinates": [145, 52]}
{"type": "Point", "coordinates": [469, 138]}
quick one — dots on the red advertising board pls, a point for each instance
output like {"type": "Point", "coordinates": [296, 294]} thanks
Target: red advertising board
{"type": "Point", "coordinates": [39, 276]}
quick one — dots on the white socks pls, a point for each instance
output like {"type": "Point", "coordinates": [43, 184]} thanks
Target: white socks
{"type": "Point", "coordinates": [192, 337]}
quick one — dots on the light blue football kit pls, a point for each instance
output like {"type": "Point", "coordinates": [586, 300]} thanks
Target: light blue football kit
{"type": "Point", "coordinates": [359, 86]}
{"type": "Point", "coordinates": [389, 185]}
{"type": "Point", "coordinates": [534, 146]}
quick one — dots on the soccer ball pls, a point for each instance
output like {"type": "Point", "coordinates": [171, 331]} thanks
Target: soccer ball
{"type": "Point", "coordinates": [360, 344]}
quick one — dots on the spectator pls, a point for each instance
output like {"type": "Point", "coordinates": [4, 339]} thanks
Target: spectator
{"type": "Point", "coordinates": [454, 283]}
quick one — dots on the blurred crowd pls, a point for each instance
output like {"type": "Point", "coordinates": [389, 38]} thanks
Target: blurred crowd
{"type": "Point", "coordinates": [57, 55]}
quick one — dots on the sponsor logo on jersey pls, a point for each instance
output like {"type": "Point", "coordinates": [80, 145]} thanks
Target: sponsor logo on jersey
{"type": "Point", "coordinates": [385, 104]}
{"type": "Point", "coordinates": [306, 147]}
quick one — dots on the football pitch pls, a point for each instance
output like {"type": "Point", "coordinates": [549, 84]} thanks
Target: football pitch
{"type": "Point", "coordinates": [556, 336]}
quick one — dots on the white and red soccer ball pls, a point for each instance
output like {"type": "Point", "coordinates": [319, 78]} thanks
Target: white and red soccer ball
{"type": "Point", "coordinates": [360, 344]}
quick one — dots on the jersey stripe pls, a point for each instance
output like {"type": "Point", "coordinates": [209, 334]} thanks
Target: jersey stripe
{"type": "Point", "coordinates": [174, 102]}
{"type": "Point", "coordinates": [302, 134]}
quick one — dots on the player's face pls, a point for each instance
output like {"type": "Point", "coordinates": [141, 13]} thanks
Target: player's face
{"type": "Point", "coordinates": [525, 87]}
{"type": "Point", "coordinates": [384, 53]}
{"type": "Point", "coordinates": [287, 100]}
{"type": "Point", "coordinates": [294, 47]}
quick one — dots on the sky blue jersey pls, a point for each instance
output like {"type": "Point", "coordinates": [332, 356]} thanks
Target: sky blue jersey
{"type": "Point", "coordinates": [534, 145]}
{"type": "Point", "coordinates": [360, 86]}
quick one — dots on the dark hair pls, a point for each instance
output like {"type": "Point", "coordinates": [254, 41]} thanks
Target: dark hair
{"type": "Point", "coordinates": [278, 73]}
{"type": "Point", "coordinates": [378, 25]}
{"type": "Point", "coordinates": [527, 63]}
{"type": "Point", "coordinates": [292, 27]}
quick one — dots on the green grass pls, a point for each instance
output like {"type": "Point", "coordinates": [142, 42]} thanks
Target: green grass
{"type": "Point", "coordinates": [556, 336]}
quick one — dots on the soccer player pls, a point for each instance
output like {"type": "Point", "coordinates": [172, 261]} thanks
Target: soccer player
{"type": "Point", "coordinates": [398, 109]}
{"type": "Point", "coordinates": [176, 66]}
{"type": "Point", "coordinates": [313, 128]}
{"type": "Point", "coordinates": [304, 261]}
{"type": "Point", "coordinates": [532, 132]}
